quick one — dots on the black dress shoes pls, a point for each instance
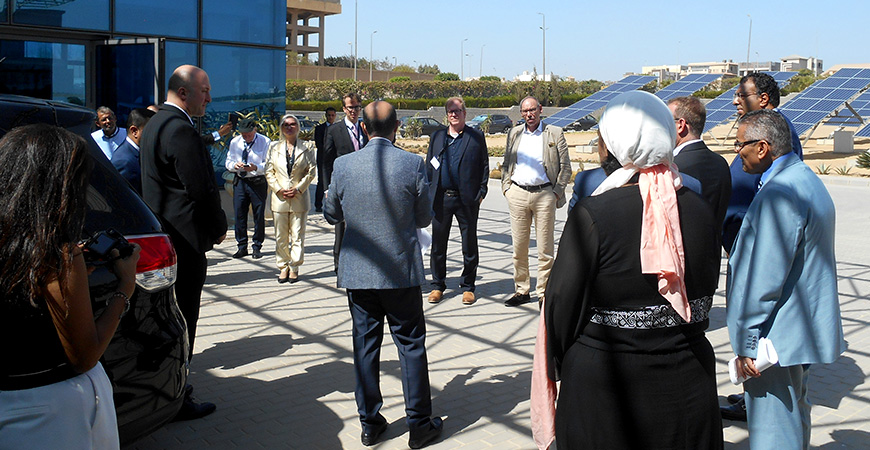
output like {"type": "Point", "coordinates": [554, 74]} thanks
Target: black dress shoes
{"type": "Point", "coordinates": [191, 409]}
{"type": "Point", "coordinates": [257, 254]}
{"type": "Point", "coordinates": [242, 252]}
{"type": "Point", "coordinates": [736, 412]}
{"type": "Point", "coordinates": [518, 299]}
{"type": "Point", "coordinates": [422, 437]}
{"type": "Point", "coordinates": [371, 437]}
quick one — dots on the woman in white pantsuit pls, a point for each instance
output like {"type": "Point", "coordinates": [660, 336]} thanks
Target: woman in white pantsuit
{"type": "Point", "coordinates": [290, 168]}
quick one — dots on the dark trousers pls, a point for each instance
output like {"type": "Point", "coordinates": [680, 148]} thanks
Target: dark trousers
{"type": "Point", "coordinates": [403, 309]}
{"type": "Point", "coordinates": [446, 207]}
{"type": "Point", "coordinates": [250, 192]}
{"type": "Point", "coordinates": [336, 247]}
{"type": "Point", "coordinates": [192, 267]}
{"type": "Point", "coordinates": [318, 194]}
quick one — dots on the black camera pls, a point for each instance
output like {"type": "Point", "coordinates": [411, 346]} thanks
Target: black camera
{"type": "Point", "coordinates": [98, 248]}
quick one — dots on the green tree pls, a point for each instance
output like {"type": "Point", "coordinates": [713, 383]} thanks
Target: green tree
{"type": "Point", "coordinates": [446, 76]}
{"type": "Point", "coordinates": [490, 78]}
{"type": "Point", "coordinates": [425, 68]}
{"type": "Point", "coordinates": [404, 68]}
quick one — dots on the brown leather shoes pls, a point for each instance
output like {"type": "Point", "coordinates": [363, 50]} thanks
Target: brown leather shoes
{"type": "Point", "coordinates": [435, 296]}
{"type": "Point", "coordinates": [468, 298]}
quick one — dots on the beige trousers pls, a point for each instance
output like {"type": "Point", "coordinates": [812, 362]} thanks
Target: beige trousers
{"type": "Point", "coordinates": [290, 239]}
{"type": "Point", "coordinates": [525, 206]}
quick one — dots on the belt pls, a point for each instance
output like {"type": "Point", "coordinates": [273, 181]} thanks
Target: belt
{"type": "Point", "coordinates": [649, 317]}
{"type": "Point", "coordinates": [537, 188]}
{"type": "Point", "coordinates": [451, 192]}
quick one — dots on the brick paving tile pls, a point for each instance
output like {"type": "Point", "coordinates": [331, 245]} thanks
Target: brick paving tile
{"type": "Point", "coordinates": [277, 359]}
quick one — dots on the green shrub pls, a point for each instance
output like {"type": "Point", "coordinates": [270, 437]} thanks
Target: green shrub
{"type": "Point", "coordinates": [863, 160]}
{"type": "Point", "coordinates": [446, 76]}
{"type": "Point", "coordinates": [400, 79]}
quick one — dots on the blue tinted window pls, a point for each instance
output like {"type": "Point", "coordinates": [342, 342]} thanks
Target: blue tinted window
{"type": "Point", "coordinates": [3, 17]}
{"type": "Point", "coordinates": [83, 14]}
{"type": "Point", "coordinates": [245, 80]}
{"type": "Point", "coordinates": [258, 22]}
{"type": "Point", "coordinates": [177, 54]}
{"type": "Point", "coordinates": [156, 17]}
{"type": "Point", "coordinates": [43, 70]}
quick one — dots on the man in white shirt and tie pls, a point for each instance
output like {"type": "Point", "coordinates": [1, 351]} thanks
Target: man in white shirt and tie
{"type": "Point", "coordinates": [342, 139]}
{"type": "Point", "coordinates": [246, 158]}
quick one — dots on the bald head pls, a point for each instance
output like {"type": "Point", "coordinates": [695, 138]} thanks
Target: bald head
{"type": "Point", "coordinates": [379, 120]}
{"type": "Point", "coordinates": [189, 88]}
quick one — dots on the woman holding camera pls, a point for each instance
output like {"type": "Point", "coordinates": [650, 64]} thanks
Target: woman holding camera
{"type": "Point", "coordinates": [290, 168]}
{"type": "Point", "coordinates": [53, 391]}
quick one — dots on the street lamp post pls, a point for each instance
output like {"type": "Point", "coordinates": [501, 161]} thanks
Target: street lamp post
{"type": "Point", "coordinates": [749, 41]}
{"type": "Point", "coordinates": [544, 50]}
{"type": "Point", "coordinates": [355, 36]}
{"type": "Point", "coordinates": [371, 53]}
{"type": "Point", "coordinates": [480, 73]}
{"type": "Point", "coordinates": [462, 59]}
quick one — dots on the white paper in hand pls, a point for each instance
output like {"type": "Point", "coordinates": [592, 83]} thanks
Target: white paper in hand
{"type": "Point", "coordinates": [766, 357]}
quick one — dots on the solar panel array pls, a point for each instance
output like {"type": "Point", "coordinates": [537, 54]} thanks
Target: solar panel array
{"type": "Point", "coordinates": [864, 132]}
{"type": "Point", "coordinates": [861, 105]}
{"type": "Point", "coordinates": [687, 85]}
{"type": "Point", "coordinates": [597, 100]}
{"type": "Point", "coordinates": [722, 108]}
{"type": "Point", "coordinates": [819, 100]}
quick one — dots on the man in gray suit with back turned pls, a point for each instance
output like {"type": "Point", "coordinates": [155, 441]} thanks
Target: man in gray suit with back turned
{"type": "Point", "coordinates": [382, 194]}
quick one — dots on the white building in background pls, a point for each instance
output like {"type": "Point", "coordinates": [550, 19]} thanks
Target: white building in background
{"type": "Point", "coordinates": [665, 72]}
{"type": "Point", "coordinates": [795, 63]}
{"type": "Point", "coordinates": [723, 67]}
{"type": "Point", "coordinates": [759, 66]}
{"type": "Point", "coordinates": [527, 76]}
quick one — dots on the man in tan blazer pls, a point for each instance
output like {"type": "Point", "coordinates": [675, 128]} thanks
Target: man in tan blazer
{"type": "Point", "coordinates": [535, 171]}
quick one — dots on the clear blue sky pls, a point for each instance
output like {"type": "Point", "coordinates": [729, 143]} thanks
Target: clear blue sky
{"type": "Point", "coordinates": [600, 39]}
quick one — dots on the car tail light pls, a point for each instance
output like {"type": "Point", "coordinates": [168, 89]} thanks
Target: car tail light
{"type": "Point", "coordinates": [157, 268]}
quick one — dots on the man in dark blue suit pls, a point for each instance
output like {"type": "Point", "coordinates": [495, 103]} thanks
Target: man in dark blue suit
{"type": "Point", "coordinates": [457, 165]}
{"type": "Point", "coordinates": [320, 144]}
{"type": "Point", "coordinates": [757, 90]}
{"type": "Point", "coordinates": [126, 157]}
{"type": "Point", "coordinates": [382, 194]}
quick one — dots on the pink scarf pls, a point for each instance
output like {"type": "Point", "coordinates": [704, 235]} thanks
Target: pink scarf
{"type": "Point", "coordinates": [543, 395]}
{"type": "Point", "coordinates": [661, 239]}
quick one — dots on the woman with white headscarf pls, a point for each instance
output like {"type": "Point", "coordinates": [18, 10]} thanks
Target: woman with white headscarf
{"type": "Point", "coordinates": [629, 296]}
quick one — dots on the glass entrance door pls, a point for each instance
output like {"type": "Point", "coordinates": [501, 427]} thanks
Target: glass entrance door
{"type": "Point", "coordinates": [128, 74]}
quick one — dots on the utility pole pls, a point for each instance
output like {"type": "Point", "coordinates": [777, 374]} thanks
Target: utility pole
{"type": "Point", "coordinates": [371, 53]}
{"type": "Point", "coordinates": [355, 36]}
{"type": "Point", "coordinates": [544, 50]}
{"type": "Point", "coordinates": [480, 73]}
{"type": "Point", "coordinates": [462, 60]}
{"type": "Point", "coordinates": [749, 41]}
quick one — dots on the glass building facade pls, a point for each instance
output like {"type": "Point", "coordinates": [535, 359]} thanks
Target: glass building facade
{"type": "Point", "coordinates": [120, 53]}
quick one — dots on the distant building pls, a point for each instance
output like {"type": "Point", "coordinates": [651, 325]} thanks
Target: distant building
{"type": "Point", "coordinates": [723, 67]}
{"type": "Point", "coordinates": [759, 66]}
{"type": "Point", "coordinates": [526, 76]}
{"type": "Point", "coordinates": [672, 72]}
{"type": "Point", "coordinates": [796, 63]}
{"type": "Point", "coordinates": [305, 28]}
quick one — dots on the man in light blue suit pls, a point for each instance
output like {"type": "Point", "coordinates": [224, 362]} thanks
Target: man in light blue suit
{"type": "Point", "coordinates": [382, 194]}
{"type": "Point", "coordinates": [782, 283]}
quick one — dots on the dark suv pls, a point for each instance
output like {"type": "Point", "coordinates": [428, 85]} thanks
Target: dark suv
{"type": "Point", "coordinates": [147, 358]}
{"type": "Point", "coordinates": [499, 123]}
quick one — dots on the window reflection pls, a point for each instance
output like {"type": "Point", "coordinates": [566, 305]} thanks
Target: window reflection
{"type": "Point", "coordinates": [81, 14]}
{"type": "Point", "coordinates": [156, 17]}
{"type": "Point", "coordinates": [44, 70]}
{"type": "Point", "coordinates": [224, 20]}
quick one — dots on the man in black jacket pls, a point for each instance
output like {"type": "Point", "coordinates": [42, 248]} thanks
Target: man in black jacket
{"type": "Point", "coordinates": [344, 138]}
{"type": "Point", "coordinates": [457, 165]}
{"type": "Point", "coordinates": [320, 143]}
{"type": "Point", "coordinates": [178, 183]}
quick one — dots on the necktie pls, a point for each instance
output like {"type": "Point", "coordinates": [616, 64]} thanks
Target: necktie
{"type": "Point", "coordinates": [355, 134]}
{"type": "Point", "coordinates": [245, 153]}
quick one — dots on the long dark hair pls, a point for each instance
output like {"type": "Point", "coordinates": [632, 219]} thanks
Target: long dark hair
{"type": "Point", "coordinates": [43, 196]}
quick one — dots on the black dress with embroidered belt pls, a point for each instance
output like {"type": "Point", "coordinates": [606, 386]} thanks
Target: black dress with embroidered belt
{"type": "Point", "coordinates": [633, 374]}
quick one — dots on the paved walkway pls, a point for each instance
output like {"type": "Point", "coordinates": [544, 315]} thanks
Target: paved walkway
{"type": "Point", "coordinates": [277, 359]}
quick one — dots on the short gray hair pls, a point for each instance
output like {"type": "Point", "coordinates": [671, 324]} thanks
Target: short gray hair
{"type": "Point", "coordinates": [770, 126]}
